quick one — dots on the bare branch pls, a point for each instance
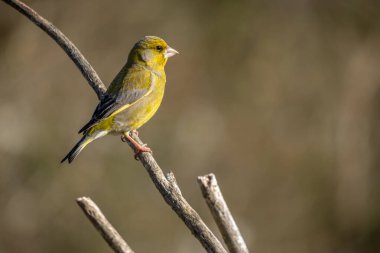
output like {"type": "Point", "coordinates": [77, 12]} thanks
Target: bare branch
{"type": "Point", "coordinates": [71, 50]}
{"type": "Point", "coordinates": [166, 186]}
{"type": "Point", "coordinates": [222, 215]}
{"type": "Point", "coordinates": [100, 222]}
{"type": "Point", "coordinates": [169, 190]}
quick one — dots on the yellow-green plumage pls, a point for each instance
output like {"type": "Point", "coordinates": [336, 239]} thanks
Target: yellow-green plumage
{"type": "Point", "coordinates": [134, 95]}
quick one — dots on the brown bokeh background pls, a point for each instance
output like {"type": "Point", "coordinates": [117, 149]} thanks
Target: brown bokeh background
{"type": "Point", "coordinates": [280, 99]}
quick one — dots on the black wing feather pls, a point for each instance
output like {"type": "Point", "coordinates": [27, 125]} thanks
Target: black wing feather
{"type": "Point", "coordinates": [110, 104]}
{"type": "Point", "coordinates": [104, 107]}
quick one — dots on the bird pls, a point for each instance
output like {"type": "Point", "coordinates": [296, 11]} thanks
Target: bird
{"type": "Point", "coordinates": [132, 98]}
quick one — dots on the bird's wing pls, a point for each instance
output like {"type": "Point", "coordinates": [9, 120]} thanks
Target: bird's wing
{"type": "Point", "coordinates": [136, 87]}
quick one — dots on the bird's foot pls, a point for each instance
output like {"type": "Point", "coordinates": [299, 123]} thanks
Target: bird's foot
{"type": "Point", "coordinates": [123, 138]}
{"type": "Point", "coordinates": [139, 148]}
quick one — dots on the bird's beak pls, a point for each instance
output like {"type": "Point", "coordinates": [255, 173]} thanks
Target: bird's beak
{"type": "Point", "coordinates": [169, 52]}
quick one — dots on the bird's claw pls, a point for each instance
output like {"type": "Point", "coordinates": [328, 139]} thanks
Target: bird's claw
{"type": "Point", "coordinates": [123, 138]}
{"type": "Point", "coordinates": [141, 149]}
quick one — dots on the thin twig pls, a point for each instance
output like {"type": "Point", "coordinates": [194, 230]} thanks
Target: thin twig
{"type": "Point", "coordinates": [222, 215]}
{"type": "Point", "coordinates": [71, 50]}
{"type": "Point", "coordinates": [169, 190]}
{"type": "Point", "coordinates": [100, 222]}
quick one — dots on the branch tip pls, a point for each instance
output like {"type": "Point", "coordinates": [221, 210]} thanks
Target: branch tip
{"type": "Point", "coordinates": [222, 215]}
{"type": "Point", "coordinates": [100, 222]}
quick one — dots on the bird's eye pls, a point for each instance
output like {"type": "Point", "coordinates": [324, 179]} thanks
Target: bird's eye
{"type": "Point", "coordinates": [159, 48]}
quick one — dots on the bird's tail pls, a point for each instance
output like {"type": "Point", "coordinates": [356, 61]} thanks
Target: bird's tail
{"type": "Point", "coordinates": [82, 143]}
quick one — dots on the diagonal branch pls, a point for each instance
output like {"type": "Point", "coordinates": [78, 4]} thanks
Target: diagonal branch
{"type": "Point", "coordinates": [71, 50]}
{"type": "Point", "coordinates": [171, 193]}
{"type": "Point", "coordinates": [222, 215]}
{"type": "Point", "coordinates": [166, 185]}
{"type": "Point", "coordinates": [100, 222]}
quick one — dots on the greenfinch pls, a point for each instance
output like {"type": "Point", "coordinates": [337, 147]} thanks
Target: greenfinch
{"type": "Point", "coordinates": [132, 98]}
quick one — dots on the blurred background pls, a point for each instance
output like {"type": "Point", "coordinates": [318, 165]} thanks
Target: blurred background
{"type": "Point", "coordinates": [280, 99]}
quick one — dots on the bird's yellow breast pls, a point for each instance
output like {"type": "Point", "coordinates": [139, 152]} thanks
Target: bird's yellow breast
{"type": "Point", "coordinates": [133, 116]}
{"type": "Point", "coordinates": [139, 113]}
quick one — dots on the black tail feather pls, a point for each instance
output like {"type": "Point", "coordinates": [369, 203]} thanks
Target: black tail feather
{"type": "Point", "coordinates": [74, 152]}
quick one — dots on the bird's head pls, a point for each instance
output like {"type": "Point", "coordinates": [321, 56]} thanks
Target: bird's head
{"type": "Point", "coordinates": [151, 51]}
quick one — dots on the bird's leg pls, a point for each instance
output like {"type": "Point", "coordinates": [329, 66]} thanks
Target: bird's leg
{"type": "Point", "coordinates": [135, 132]}
{"type": "Point", "coordinates": [138, 147]}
